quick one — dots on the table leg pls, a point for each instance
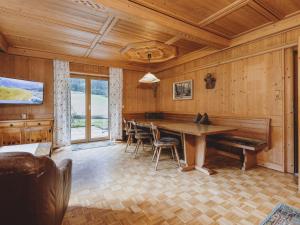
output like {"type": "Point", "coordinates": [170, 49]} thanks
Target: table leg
{"type": "Point", "coordinates": [200, 145]}
{"type": "Point", "coordinates": [195, 153]}
{"type": "Point", "coordinates": [189, 152]}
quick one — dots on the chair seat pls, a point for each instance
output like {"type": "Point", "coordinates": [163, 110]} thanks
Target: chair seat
{"type": "Point", "coordinates": [169, 139]}
{"type": "Point", "coordinates": [132, 131]}
{"type": "Point", "coordinates": [143, 136]}
{"type": "Point", "coordinates": [164, 144]}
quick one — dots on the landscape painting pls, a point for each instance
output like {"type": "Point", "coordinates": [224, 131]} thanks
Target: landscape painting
{"type": "Point", "coordinates": [183, 90]}
{"type": "Point", "coordinates": [13, 91]}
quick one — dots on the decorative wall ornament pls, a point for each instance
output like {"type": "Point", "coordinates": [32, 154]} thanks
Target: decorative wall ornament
{"type": "Point", "coordinates": [183, 90]}
{"type": "Point", "coordinates": [159, 51]}
{"type": "Point", "coordinates": [210, 81]}
{"type": "Point", "coordinates": [62, 104]}
{"type": "Point", "coordinates": [115, 102]}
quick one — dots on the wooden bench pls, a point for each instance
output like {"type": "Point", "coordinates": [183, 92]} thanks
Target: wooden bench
{"type": "Point", "coordinates": [252, 136]}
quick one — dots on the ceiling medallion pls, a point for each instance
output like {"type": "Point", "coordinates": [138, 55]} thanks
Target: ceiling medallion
{"type": "Point", "coordinates": [159, 51]}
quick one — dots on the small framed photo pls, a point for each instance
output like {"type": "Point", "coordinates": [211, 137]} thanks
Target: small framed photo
{"type": "Point", "coordinates": [183, 90]}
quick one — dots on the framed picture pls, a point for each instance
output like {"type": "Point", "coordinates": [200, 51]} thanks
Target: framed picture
{"type": "Point", "coordinates": [183, 90]}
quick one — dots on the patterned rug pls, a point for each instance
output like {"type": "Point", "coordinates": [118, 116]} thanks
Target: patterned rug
{"type": "Point", "coordinates": [283, 215]}
{"type": "Point", "coordinates": [84, 146]}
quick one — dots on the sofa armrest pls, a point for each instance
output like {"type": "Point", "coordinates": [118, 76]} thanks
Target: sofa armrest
{"type": "Point", "coordinates": [65, 171]}
{"type": "Point", "coordinates": [65, 165]}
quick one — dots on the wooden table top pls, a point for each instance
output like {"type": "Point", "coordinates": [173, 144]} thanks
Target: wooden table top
{"type": "Point", "coordinates": [186, 127]}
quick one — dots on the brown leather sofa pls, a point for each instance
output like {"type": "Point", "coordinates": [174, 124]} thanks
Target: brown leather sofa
{"type": "Point", "coordinates": [33, 190]}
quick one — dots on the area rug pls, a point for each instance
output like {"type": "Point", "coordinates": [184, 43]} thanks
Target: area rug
{"type": "Point", "coordinates": [283, 215]}
{"type": "Point", "coordinates": [98, 144]}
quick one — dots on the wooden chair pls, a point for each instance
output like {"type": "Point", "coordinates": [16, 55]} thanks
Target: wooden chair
{"type": "Point", "coordinates": [140, 136]}
{"type": "Point", "coordinates": [129, 132]}
{"type": "Point", "coordinates": [165, 143]}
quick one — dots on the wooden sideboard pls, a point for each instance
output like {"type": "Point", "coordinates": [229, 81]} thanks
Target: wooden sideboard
{"type": "Point", "coordinates": [13, 132]}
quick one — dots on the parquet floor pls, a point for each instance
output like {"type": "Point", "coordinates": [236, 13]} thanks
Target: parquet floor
{"type": "Point", "coordinates": [112, 188]}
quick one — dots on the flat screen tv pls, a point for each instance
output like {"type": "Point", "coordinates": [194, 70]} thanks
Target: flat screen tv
{"type": "Point", "coordinates": [13, 91]}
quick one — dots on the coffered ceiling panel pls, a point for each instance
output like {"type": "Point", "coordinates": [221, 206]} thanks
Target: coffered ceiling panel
{"type": "Point", "coordinates": [14, 25]}
{"type": "Point", "coordinates": [284, 7]}
{"type": "Point", "coordinates": [102, 28]}
{"type": "Point", "coordinates": [193, 10]}
{"type": "Point", "coordinates": [125, 32]}
{"type": "Point", "coordinates": [47, 46]}
{"type": "Point", "coordinates": [237, 22]}
{"type": "Point", "coordinates": [187, 46]}
{"type": "Point", "coordinates": [66, 12]}
{"type": "Point", "coordinates": [107, 51]}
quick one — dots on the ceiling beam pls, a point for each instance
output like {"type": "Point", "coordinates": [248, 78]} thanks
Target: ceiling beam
{"type": "Point", "coordinates": [125, 9]}
{"type": "Point", "coordinates": [172, 40]}
{"type": "Point", "coordinates": [105, 29]}
{"type": "Point", "coordinates": [75, 59]}
{"type": "Point", "coordinates": [223, 12]}
{"type": "Point", "coordinates": [3, 44]}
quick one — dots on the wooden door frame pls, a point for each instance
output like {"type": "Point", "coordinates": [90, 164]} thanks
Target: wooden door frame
{"type": "Point", "coordinates": [298, 112]}
{"type": "Point", "coordinates": [88, 79]}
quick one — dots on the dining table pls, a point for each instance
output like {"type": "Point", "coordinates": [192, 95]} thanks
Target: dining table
{"type": "Point", "coordinates": [193, 137]}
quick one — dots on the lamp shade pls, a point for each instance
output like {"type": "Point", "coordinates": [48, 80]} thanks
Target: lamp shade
{"type": "Point", "coordinates": [149, 78]}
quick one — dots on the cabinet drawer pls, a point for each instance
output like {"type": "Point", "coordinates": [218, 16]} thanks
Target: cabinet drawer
{"type": "Point", "coordinates": [12, 124]}
{"type": "Point", "coordinates": [38, 123]}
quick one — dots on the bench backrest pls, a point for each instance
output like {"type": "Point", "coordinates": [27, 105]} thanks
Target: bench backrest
{"type": "Point", "coordinates": [257, 128]}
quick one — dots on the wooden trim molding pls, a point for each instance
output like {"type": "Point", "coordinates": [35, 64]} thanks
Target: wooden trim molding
{"type": "Point", "coordinates": [288, 118]}
{"type": "Point", "coordinates": [188, 31]}
{"type": "Point", "coordinates": [3, 44]}
{"type": "Point", "coordinates": [298, 112]}
{"type": "Point", "coordinates": [84, 60]}
{"type": "Point", "coordinates": [89, 74]}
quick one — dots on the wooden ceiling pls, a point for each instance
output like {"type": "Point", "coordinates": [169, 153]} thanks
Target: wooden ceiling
{"type": "Point", "coordinates": [99, 29]}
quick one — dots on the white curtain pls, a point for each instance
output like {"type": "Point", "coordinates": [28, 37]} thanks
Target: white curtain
{"type": "Point", "coordinates": [62, 104]}
{"type": "Point", "coordinates": [115, 102]}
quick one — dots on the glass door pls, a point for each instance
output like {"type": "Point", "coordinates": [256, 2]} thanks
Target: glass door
{"type": "Point", "coordinates": [78, 109]}
{"type": "Point", "coordinates": [89, 109]}
{"type": "Point", "coordinates": [99, 109]}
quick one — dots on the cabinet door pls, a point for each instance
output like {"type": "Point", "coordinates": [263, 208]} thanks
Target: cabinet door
{"type": "Point", "coordinates": [38, 134]}
{"type": "Point", "coordinates": [11, 136]}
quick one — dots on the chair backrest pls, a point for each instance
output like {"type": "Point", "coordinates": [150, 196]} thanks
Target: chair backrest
{"type": "Point", "coordinates": [155, 132]}
{"type": "Point", "coordinates": [126, 125]}
{"type": "Point", "coordinates": [134, 125]}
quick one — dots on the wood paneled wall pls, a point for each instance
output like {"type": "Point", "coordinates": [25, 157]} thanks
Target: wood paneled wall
{"type": "Point", "coordinates": [136, 98]}
{"type": "Point", "coordinates": [251, 87]}
{"type": "Point", "coordinates": [28, 68]}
